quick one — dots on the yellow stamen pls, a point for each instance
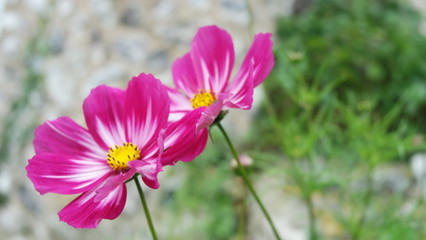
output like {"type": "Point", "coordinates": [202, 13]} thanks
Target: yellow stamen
{"type": "Point", "coordinates": [203, 99]}
{"type": "Point", "coordinates": [119, 156]}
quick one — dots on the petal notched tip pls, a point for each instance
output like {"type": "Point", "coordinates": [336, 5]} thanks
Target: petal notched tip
{"type": "Point", "coordinates": [85, 212]}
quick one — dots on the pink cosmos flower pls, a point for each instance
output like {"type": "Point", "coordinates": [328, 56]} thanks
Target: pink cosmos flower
{"type": "Point", "coordinates": [202, 76]}
{"type": "Point", "coordinates": [126, 134]}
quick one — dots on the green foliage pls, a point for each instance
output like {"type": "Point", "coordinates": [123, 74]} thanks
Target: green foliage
{"type": "Point", "coordinates": [341, 60]}
{"type": "Point", "coordinates": [346, 96]}
{"type": "Point", "coordinates": [206, 195]}
{"type": "Point", "coordinates": [374, 47]}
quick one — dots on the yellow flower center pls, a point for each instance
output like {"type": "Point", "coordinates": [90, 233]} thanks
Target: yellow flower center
{"type": "Point", "coordinates": [203, 99]}
{"type": "Point", "coordinates": [119, 156]}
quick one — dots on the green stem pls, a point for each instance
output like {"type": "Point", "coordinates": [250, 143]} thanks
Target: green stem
{"type": "Point", "coordinates": [313, 235]}
{"type": "Point", "coordinates": [312, 229]}
{"type": "Point", "coordinates": [366, 201]}
{"type": "Point", "coordinates": [242, 210]}
{"type": "Point", "coordinates": [145, 208]}
{"type": "Point", "coordinates": [306, 191]}
{"type": "Point", "coordinates": [247, 181]}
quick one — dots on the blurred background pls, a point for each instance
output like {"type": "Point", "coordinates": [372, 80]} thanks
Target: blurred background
{"type": "Point", "coordinates": [334, 144]}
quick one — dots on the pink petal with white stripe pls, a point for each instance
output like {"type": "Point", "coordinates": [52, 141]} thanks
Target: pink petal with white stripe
{"type": "Point", "coordinates": [103, 111]}
{"type": "Point", "coordinates": [85, 212]}
{"type": "Point", "coordinates": [67, 159]}
{"type": "Point", "coordinates": [148, 168]}
{"type": "Point", "coordinates": [146, 109]}
{"type": "Point", "coordinates": [64, 174]}
{"type": "Point", "coordinates": [65, 136]}
{"type": "Point", "coordinates": [212, 55]}
{"type": "Point", "coordinates": [240, 91]}
{"type": "Point", "coordinates": [181, 141]}
{"type": "Point", "coordinates": [184, 76]}
{"type": "Point", "coordinates": [260, 58]}
{"type": "Point", "coordinates": [210, 114]}
{"type": "Point", "coordinates": [112, 182]}
{"type": "Point", "coordinates": [179, 106]}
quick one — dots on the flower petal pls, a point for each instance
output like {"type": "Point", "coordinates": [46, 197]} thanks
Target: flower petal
{"type": "Point", "coordinates": [210, 113]}
{"type": "Point", "coordinates": [112, 182]}
{"type": "Point", "coordinates": [64, 174]}
{"type": "Point", "coordinates": [146, 109]}
{"type": "Point", "coordinates": [148, 169]}
{"type": "Point", "coordinates": [184, 76]}
{"type": "Point", "coordinates": [85, 212]}
{"type": "Point", "coordinates": [212, 56]}
{"type": "Point", "coordinates": [64, 136]}
{"type": "Point", "coordinates": [179, 106]}
{"type": "Point", "coordinates": [181, 141]}
{"type": "Point", "coordinates": [240, 91]}
{"type": "Point", "coordinates": [261, 56]}
{"type": "Point", "coordinates": [103, 111]}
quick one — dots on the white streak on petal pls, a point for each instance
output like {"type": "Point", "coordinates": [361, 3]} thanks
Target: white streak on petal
{"type": "Point", "coordinates": [206, 75]}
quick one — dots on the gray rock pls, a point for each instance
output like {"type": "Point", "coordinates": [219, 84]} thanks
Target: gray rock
{"type": "Point", "coordinates": [158, 60]}
{"type": "Point", "coordinates": [56, 41]}
{"type": "Point", "coordinates": [131, 49]}
{"type": "Point", "coordinates": [393, 178]}
{"type": "Point", "coordinates": [418, 168]}
{"type": "Point", "coordinates": [287, 211]}
{"type": "Point", "coordinates": [131, 16]}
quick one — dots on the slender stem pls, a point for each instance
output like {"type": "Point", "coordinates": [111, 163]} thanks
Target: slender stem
{"type": "Point", "coordinates": [366, 201]}
{"type": "Point", "coordinates": [145, 208]}
{"type": "Point", "coordinates": [242, 210]}
{"type": "Point", "coordinates": [312, 230]}
{"type": "Point", "coordinates": [313, 235]}
{"type": "Point", "coordinates": [248, 182]}
{"type": "Point", "coordinates": [306, 196]}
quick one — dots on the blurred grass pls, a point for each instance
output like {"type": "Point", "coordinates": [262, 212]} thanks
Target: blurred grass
{"type": "Point", "coordinates": [344, 102]}
{"type": "Point", "coordinates": [207, 195]}
{"type": "Point", "coordinates": [19, 124]}
{"type": "Point", "coordinates": [12, 130]}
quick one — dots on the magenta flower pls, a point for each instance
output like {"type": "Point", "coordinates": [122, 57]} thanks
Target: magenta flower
{"type": "Point", "coordinates": [202, 76]}
{"type": "Point", "coordinates": [127, 132]}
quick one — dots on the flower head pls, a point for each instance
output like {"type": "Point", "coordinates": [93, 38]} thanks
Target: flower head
{"type": "Point", "coordinates": [202, 76]}
{"type": "Point", "coordinates": [127, 133]}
